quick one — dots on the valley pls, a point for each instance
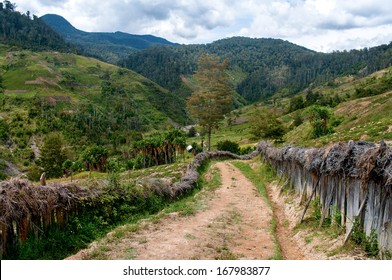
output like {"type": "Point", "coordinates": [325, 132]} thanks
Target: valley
{"type": "Point", "coordinates": [104, 146]}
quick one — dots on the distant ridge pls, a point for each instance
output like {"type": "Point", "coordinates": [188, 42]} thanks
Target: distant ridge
{"type": "Point", "coordinates": [106, 45]}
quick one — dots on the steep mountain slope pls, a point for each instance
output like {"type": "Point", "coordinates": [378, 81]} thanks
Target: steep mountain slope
{"type": "Point", "coordinates": [87, 101]}
{"type": "Point", "coordinates": [108, 46]}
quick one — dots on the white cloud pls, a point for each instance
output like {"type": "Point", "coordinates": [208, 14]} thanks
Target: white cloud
{"type": "Point", "coordinates": [323, 25]}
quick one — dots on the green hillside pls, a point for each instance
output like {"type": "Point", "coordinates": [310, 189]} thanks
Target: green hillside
{"type": "Point", "coordinates": [360, 109]}
{"type": "Point", "coordinates": [85, 100]}
{"type": "Point", "coordinates": [262, 68]}
{"type": "Point", "coordinates": [365, 114]}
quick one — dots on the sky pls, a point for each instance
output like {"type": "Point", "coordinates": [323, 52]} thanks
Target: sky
{"type": "Point", "coordinates": [320, 25]}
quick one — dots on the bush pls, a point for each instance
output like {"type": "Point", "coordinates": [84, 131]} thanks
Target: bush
{"type": "Point", "coordinates": [319, 117]}
{"type": "Point", "coordinates": [192, 132]}
{"type": "Point", "coordinates": [52, 155]}
{"type": "Point", "coordinates": [228, 146]}
{"type": "Point", "coordinates": [3, 130]}
{"type": "Point", "coordinates": [196, 147]}
{"type": "Point", "coordinates": [266, 124]}
{"type": "Point", "coordinates": [34, 173]}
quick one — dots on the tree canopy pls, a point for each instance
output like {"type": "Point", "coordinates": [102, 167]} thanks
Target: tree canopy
{"type": "Point", "coordinates": [29, 33]}
{"type": "Point", "coordinates": [213, 97]}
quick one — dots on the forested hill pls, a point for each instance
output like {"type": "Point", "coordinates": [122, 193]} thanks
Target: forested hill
{"type": "Point", "coordinates": [104, 45]}
{"type": "Point", "coordinates": [260, 67]}
{"type": "Point", "coordinates": [29, 32]}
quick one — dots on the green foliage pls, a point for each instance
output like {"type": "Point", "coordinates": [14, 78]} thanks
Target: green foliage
{"type": "Point", "coordinates": [3, 176]}
{"type": "Point", "coordinates": [67, 167]}
{"type": "Point", "coordinates": [368, 243]}
{"type": "Point", "coordinates": [213, 97]}
{"type": "Point", "coordinates": [113, 168]}
{"type": "Point", "coordinates": [298, 120]}
{"type": "Point", "coordinates": [197, 148]}
{"type": "Point", "coordinates": [373, 86]}
{"type": "Point", "coordinates": [267, 125]}
{"type": "Point", "coordinates": [66, 97]}
{"type": "Point", "coordinates": [296, 103]}
{"type": "Point", "coordinates": [266, 66]}
{"type": "Point", "coordinates": [78, 166]}
{"type": "Point", "coordinates": [34, 172]}
{"type": "Point", "coordinates": [52, 155]}
{"type": "Point", "coordinates": [318, 117]}
{"type": "Point", "coordinates": [246, 150]}
{"type": "Point", "coordinates": [95, 158]}
{"type": "Point", "coordinates": [192, 132]}
{"type": "Point", "coordinates": [4, 130]}
{"type": "Point", "coordinates": [26, 32]}
{"type": "Point", "coordinates": [159, 148]}
{"type": "Point", "coordinates": [227, 145]}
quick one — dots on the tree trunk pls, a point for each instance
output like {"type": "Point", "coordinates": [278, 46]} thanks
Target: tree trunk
{"type": "Point", "coordinates": [209, 139]}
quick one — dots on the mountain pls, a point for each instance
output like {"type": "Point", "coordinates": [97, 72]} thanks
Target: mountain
{"type": "Point", "coordinates": [107, 46]}
{"type": "Point", "coordinates": [261, 68]}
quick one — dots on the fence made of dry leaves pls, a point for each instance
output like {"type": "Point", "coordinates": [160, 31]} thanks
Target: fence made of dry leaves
{"type": "Point", "coordinates": [28, 210]}
{"type": "Point", "coordinates": [353, 178]}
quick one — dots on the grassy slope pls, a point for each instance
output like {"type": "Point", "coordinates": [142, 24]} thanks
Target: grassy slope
{"type": "Point", "coordinates": [367, 118]}
{"type": "Point", "coordinates": [27, 74]}
{"type": "Point", "coordinates": [66, 84]}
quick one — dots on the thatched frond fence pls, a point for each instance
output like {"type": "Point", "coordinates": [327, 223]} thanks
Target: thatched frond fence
{"type": "Point", "coordinates": [354, 179]}
{"type": "Point", "coordinates": [26, 209]}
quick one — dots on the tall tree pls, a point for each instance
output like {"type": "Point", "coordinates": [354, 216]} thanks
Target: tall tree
{"type": "Point", "coordinates": [213, 96]}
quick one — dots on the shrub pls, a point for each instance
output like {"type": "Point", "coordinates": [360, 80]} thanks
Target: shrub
{"type": "Point", "coordinates": [228, 146]}
{"type": "Point", "coordinates": [266, 124]}
{"type": "Point", "coordinates": [192, 132]}
{"type": "Point", "coordinates": [318, 117]}
{"type": "Point", "coordinates": [246, 150]}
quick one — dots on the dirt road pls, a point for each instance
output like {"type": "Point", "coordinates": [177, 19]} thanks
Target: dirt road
{"type": "Point", "coordinates": [234, 222]}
